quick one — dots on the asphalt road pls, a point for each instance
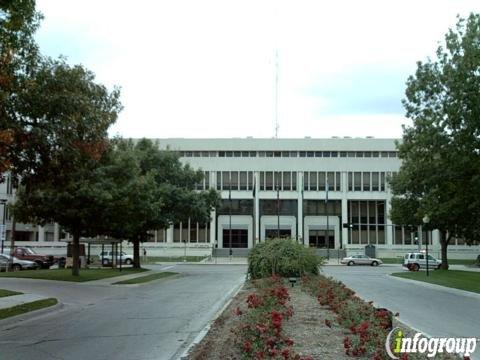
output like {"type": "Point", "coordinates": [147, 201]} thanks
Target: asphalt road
{"type": "Point", "coordinates": [98, 322]}
{"type": "Point", "coordinates": [433, 311]}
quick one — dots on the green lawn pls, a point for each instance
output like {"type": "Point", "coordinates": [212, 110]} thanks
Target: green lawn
{"type": "Point", "coordinates": [147, 278]}
{"type": "Point", "coordinates": [155, 259]}
{"type": "Point", "coordinates": [24, 308]}
{"type": "Point", "coordinates": [4, 293]}
{"type": "Point", "coordinates": [66, 274]}
{"type": "Point", "coordinates": [392, 260]}
{"type": "Point", "coordinates": [464, 280]}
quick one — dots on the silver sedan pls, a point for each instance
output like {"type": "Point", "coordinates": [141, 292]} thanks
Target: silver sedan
{"type": "Point", "coordinates": [361, 260]}
{"type": "Point", "coordinates": [17, 264]}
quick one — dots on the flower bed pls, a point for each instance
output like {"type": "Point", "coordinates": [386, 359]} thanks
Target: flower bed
{"type": "Point", "coordinates": [260, 333]}
{"type": "Point", "coordinates": [368, 326]}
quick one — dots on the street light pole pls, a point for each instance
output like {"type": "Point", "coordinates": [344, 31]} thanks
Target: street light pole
{"type": "Point", "coordinates": [426, 220]}
{"type": "Point", "coordinates": [4, 230]}
{"type": "Point", "coordinates": [278, 211]}
{"type": "Point", "coordinates": [230, 214]}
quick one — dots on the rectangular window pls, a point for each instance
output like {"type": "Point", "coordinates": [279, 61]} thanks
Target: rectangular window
{"type": "Point", "coordinates": [250, 180]}
{"type": "Point", "coordinates": [351, 154]}
{"type": "Point", "coordinates": [261, 154]}
{"type": "Point", "coordinates": [382, 181]}
{"type": "Point", "coordinates": [313, 181]}
{"type": "Point", "coordinates": [229, 153]}
{"type": "Point", "coordinates": [310, 154]}
{"type": "Point", "coordinates": [293, 153]}
{"type": "Point", "coordinates": [318, 154]}
{"type": "Point", "coordinates": [262, 180]}
{"type": "Point", "coordinates": [253, 154]}
{"type": "Point", "coordinates": [350, 181]}
{"type": "Point", "coordinates": [367, 154]}
{"type": "Point", "coordinates": [398, 235]}
{"type": "Point", "coordinates": [243, 180]}
{"type": "Point", "coordinates": [277, 154]}
{"type": "Point", "coordinates": [207, 180]}
{"type": "Point", "coordinates": [294, 181]}
{"type": "Point", "coordinates": [384, 154]}
{"type": "Point", "coordinates": [331, 181]}
{"type": "Point", "coordinates": [334, 154]}
{"type": "Point", "coordinates": [285, 154]}
{"type": "Point", "coordinates": [245, 154]}
{"type": "Point", "coordinates": [302, 153]}
{"type": "Point", "coordinates": [269, 181]}
{"type": "Point", "coordinates": [305, 180]}
{"type": "Point", "coordinates": [277, 180]}
{"type": "Point", "coordinates": [343, 154]}
{"type": "Point", "coordinates": [357, 180]}
{"type": "Point", "coordinates": [359, 154]}
{"type": "Point", "coordinates": [221, 154]}
{"type": "Point", "coordinates": [321, 181]}
{"type": "Point", "coordinates": [375, 154]}
{"type": "Point", "coordinates": [225, 180]}
{"type": "Point", "coordinates": [366, 181]}
{"type": "Point", "coordinates": [375, 181]}
{"type": "Point", "coordinates": [269, 153]}
{"type": "Point", "coordinates": [219, 180]}
{"type": "Point", "coordinates": [338, 179]}
{"type": "Point", "coordinates": [287, 183]}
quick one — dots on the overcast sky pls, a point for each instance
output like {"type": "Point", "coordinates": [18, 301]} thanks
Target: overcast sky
{"type": "Point", "coordinates": [190, 68]}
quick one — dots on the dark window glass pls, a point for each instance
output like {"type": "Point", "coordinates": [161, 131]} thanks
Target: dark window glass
{"type": "Point", "coordinates": [294, 181]}
{"type": "Point", "coordinates": [269, 180]}
{"type": "Point", "coordinates": [334, 154]}
{"type": "Point", "coordinates": [228, 153]}
{"type": "Point", "coordinates": [343, 154]}
{"type": "Point", "coordinates": [243, 180]}
{"type": "Point", "coordinates": [310, 153]}
{"type": "Point", "coordinates": [351, 154]}
{"type": "Point", "coordinates": [253, 153]}
{"type": "Point", "coordinates": [269, 153]}
{"type": "Point", "coordinates": [262, 181]}
{"type": "Point", "coordinates": [367, 154]}
{"type": "Point", "coordinates": [261, 154]}
{"type": "Point", "coordinates": [302, 153]}
{"type": "Point", "coordinates": [375, 154]}
{"type": "Point", "coordinates": [287, 186]}
{"type": "Point", "coordinates": [237, 153]}
{"type": "Point", "coordinates": [321, 181]}
{"type": "Point", "coordinates": [313, 181]}
{"type": "Point", "coordinates": [293, 154]}
{"type": "Point", "coordinates": [326, 154]}
{"type": "Point", "coordinates": [285, 154]}
{"type": "Point", "coordinates": [357, 180]}
{"type": "Point", "coordinates": [366, 181]}
{"type": "Point", "coordinates": [221, 154]}
{"type": "Point", "coordinates": [245, 154]}
{"type": "Point", "coordinates": [359, 154]}
{"type": "Point", "coordinates": [318, 154]}
{"type": "Point", "coordinates": [277, 154]}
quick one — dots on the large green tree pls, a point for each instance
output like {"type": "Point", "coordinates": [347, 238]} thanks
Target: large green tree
{"type": "Point", "coordinates": [161, 191]}
{"type": "Point", "coordinates": [64, 115]}
{"type": "Point", "coordinates": [440, 152]}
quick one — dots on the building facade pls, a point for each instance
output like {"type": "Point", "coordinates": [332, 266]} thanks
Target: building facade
{"type": "Point", "coordinates": [325, 193]}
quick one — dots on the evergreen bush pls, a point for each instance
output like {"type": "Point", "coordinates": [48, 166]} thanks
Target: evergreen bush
{"type": "Point", "coordinates": [282, 257]}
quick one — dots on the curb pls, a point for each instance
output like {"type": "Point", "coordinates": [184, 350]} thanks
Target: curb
{"type": "Point", "coordinates": [30, 315]}
{"type": "Point", "coordinates": [231, 294]}
{"type": "Point", "coordinates": [148, 282]}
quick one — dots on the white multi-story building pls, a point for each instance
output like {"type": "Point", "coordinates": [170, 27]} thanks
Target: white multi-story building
{"type": "Point", "coordinates": [326, 193]}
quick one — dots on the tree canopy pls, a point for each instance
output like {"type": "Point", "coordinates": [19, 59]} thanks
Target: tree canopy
{"type": "Point", "coordinates": [440, 152]}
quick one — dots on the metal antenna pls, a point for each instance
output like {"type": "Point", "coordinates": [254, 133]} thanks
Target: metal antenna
{"type": "Point", "coordinates": [276, 125]}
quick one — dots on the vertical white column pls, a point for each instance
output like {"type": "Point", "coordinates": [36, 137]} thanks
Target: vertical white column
{"type": "Point", "coordinates": [345, 231]}
{"type": "Point", "coordinates": [389, 227]}
{"type": "Point", "coordinates": [300, 206]}
{"type": "Point", "coordinates": [156, 235]}
{"type": "Point", "coordinates": [213, 234]}
{"type": "Point", "coordinates": [41, 233]}
{"type": "Point", "coordinates": [170, 234]}
{"type": "Point", "coordinates": [56, 232]}
{"type": "Point", "coordinates": [256, 175]}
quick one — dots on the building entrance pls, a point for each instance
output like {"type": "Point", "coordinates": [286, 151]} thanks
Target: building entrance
{"type": "Point", "coordinates": [239, 238]}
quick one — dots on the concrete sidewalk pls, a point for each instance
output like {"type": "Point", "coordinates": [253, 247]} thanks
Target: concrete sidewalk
{"type": "Point", "coordinates": [14, 300]}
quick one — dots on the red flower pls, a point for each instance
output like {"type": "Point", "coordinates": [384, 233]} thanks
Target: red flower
{"type": "Point", "coordinates": [237, 311]}
{"type": "Point", "coordinates": [254, 301]}
{"type": "Point", "coordinates": [247, 346]}
{"type": "Point", "coordinates": [286, 354]}
{"type": "Point", "coordinates": [276, 320]}
{"type": "Point", "coordinates": [289, 341]}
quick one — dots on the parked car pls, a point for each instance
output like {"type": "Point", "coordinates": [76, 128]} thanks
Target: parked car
{"type": "Point", "coordinates": [17, 264]}
{"type": "Point", "coordinates": [106, 257]}
{"type": "Point", "coordinates": [26, 253]}
{"type": "Point", "coordinates": [418, 260]}
{"type": "Point", "coordinates": [361, 260]}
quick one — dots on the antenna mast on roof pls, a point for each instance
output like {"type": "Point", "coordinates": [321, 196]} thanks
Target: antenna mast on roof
{"type": "Point", "coordinates": [276, 124]}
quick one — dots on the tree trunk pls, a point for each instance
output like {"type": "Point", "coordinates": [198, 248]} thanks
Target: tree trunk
{"type": "Point", "coordinates": [444, 245]}
{"type": "Point", "coordinates": [12, 243]}
{"type": "Point", "coordinates": [76, 254]}
{"type": "Point", "coordinates": [136, 254]}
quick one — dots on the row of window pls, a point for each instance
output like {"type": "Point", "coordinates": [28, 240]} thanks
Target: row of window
{"type": "Point", "coordinates": [285, 154]}
{"type": "Point", "coordinates": [318, 180]}
{"type": "Point", "coordinates": [188, 231]}
{"type": "Point", "coordinates": [367, 181]}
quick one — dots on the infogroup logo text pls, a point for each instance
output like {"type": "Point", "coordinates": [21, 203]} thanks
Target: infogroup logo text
{"type": "Point", "coordinates": [397, 343]}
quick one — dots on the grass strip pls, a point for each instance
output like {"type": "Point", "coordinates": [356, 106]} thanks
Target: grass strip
{"type": "Point", "coordinates": [457, 279]}
{"type": "Point", "coordinates": [147, 278]}
{"type": "Point", "coordinates": [4, 293]}
{"type": "Point", "coordinates": [27, 307]}
{"type": "Point", "coordinates": [66, 274]}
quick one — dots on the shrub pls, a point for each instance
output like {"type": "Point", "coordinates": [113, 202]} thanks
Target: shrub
{"type": "Point", "coordinates": [283, 257]}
